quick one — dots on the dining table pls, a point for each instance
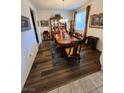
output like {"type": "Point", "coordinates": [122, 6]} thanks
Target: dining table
{"type": "Point", "coordinates": [64, 39]}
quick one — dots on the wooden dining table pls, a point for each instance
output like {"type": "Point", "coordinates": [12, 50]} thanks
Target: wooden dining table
{"type": "Point", "coordinates": [64, 39]}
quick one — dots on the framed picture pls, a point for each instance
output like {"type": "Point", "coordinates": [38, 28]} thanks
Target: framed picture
{"type": "Point", "coordinates": [96, 21]}
{"type": "Point", "coordinates": [44, 23]}
{"type": "Point", "coordinates": [25, 24]}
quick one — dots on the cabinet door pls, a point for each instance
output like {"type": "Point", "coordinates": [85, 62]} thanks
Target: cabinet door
{"type": "Point", "coordinates": [91, 42]}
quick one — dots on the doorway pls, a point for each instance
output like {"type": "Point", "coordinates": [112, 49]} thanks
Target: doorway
{"type": "Point", "coordinates": [33, 20]}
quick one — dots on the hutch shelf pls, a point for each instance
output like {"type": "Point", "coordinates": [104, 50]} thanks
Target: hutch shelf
{"type": "Point", "coordinates": [57, 26]}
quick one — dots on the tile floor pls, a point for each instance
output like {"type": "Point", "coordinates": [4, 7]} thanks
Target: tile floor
{"type": "Point", "coordinates": [89, 84]}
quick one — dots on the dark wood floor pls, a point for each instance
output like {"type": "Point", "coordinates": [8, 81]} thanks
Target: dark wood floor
{"type": "Point", "coordinates": [44, 76]}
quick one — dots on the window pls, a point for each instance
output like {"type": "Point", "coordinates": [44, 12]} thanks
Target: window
{"type": "Point", "coordinates": [80, 21]}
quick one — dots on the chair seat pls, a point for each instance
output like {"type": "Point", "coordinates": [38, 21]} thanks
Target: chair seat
{"type": "Point", "coordinates": [71, 51]}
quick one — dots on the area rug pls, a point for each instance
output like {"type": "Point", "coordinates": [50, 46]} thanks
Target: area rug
{"type": "Point", "coordinates": [57, 57]}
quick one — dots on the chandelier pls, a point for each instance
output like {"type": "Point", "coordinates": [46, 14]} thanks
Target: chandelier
{"type": "Point", "coordinates": [63, 20]}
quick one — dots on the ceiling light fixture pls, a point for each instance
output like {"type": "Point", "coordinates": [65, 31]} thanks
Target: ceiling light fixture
{"type": "Point", "coordinates": [63, 5]}
{"type": "Point", "coordinates": [63, 20]}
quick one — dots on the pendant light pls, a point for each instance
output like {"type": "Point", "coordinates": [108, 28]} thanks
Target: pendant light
{"type": "Point", "coordinates": [63, 20]}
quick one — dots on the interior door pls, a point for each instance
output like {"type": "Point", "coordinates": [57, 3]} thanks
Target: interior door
{"type": "Point", "coordinates": [33, 20]}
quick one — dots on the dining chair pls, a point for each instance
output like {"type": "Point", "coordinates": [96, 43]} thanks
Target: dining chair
{"type": "Point", "coordinates": [73, 50]}
{"type": "Point", "coordinates": [46, 35]}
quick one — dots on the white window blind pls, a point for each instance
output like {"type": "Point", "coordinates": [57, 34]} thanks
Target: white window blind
{"type": "Point", "coordinates": [80, 21]}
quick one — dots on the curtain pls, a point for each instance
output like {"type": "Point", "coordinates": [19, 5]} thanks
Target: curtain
{"type": "Point", "coordinates": [74, 18]}
{"type": "Point", "coordinates": [86, 22]}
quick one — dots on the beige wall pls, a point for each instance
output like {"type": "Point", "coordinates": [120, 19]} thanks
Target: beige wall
{"type": "Point", "coordinates": [96, 8]}
{"type": "Point", "coordinates": [29, 46]}
{"type": "Point", "coordinates": [46, 14]}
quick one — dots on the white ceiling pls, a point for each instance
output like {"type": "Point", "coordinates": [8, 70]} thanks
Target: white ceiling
{"type": "Point", "coordinates": [58, 4]}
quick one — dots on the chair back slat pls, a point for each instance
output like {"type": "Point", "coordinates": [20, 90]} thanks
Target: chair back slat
{"type": "Point", "coordinates": [76, 47]}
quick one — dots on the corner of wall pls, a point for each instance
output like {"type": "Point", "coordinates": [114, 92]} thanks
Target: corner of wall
{"type": "Point", "coordinates": [29, 46]}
